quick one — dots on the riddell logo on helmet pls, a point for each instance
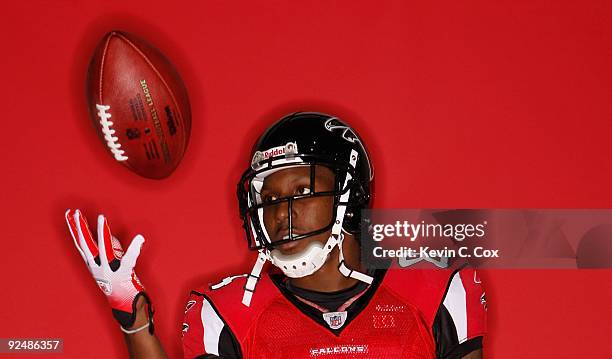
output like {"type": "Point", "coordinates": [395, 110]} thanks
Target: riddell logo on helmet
{"type": "Point", "coordinates": [274, 152]}
{"type": "Point", "coordinates": [289, 149]}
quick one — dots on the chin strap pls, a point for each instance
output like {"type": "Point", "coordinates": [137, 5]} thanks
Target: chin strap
{"type": "Point", "coordinates": [249, 287]}
{"type": "Point", "coordinates": [350, 273]}
{"type": "Point", "coordinates": [313, 258]}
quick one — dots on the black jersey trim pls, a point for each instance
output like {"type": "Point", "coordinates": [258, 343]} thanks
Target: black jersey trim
{"type": "Point", "coordinates": [353, 310]}
{"type": "Point", "coordinates": [444, 332]}
{"type": "Point", "coordinates": [229, 346]}
{"type": "Point", "coordinates": [328, 300]}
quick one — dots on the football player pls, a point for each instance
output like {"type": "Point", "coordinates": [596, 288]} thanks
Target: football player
{"type": "Point", "coordinates": [300, 200]}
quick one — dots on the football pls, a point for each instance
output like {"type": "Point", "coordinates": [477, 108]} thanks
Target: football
{"type": "Point", "coordinates": [138, 104]}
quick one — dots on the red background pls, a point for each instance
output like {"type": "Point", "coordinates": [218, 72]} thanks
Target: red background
{"type": "Point", "coordinates": [462, 104]}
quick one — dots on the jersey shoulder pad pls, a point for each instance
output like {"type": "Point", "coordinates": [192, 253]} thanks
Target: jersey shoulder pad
{"type": "Point", "coordinates": [458, 292]}
{"type": "Point", "coordinates": [423, 288]}
{"type": "Point", "coordinates": [223, 301]}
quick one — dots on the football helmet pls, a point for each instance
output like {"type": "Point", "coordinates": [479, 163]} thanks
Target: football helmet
{"type": "Point", "coordinates": [306, 139]}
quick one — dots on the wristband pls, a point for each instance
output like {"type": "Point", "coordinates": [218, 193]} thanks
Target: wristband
{"type": "Point", "coordinates": [132, 331]}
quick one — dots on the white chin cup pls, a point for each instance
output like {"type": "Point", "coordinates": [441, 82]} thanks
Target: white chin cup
{"type": "Point", "coordinates": [305, 263]}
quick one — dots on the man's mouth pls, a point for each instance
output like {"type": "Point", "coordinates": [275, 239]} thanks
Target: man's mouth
{"type": "Point", "coordinates": [283, 235]}
{"type": "Point", "coordinates": [288, 247]}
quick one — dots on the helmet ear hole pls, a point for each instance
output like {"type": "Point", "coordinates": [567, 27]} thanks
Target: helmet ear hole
{"type": "Point", "coordinates": [352, 220]}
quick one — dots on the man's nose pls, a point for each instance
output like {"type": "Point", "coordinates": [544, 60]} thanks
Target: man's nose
{"type": "Point", "coordinates": [283, 210]}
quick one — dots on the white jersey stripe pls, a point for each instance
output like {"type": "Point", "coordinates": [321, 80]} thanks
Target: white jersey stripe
{"type": "Point", "coordinates": [212, 328]}
{"type": "Point", "coordinates": [455, 303]}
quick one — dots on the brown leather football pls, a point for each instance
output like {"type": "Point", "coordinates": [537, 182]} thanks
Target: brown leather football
{"type": "Point", "coordinates": [138, 104]}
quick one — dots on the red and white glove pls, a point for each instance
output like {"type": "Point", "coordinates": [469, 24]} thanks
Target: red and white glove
{"type": "Point", "coordinates": [112, 269]}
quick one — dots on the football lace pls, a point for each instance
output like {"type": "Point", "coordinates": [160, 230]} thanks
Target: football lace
{"type": "Point", "coordinates": [111, 141]}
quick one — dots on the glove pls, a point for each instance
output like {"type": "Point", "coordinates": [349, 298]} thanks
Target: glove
{"type": "Point", "coordinates": [112, 269]}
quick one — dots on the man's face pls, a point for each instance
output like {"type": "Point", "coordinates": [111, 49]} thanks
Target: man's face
{"type": "Point", "coordinates": [308, 214]}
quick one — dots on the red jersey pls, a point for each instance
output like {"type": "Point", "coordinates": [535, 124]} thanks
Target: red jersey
{"type": "Point", "coordinates": [403, 314]}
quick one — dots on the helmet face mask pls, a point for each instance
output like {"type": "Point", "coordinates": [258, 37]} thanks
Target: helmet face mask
{"type": "Point", "coordinates": [261, 208]}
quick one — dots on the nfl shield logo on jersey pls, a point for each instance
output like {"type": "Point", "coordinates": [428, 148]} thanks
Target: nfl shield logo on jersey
{"type": "Point", "coordinates": [335, 320]}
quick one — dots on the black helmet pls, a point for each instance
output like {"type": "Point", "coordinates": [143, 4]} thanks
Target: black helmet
{"type": "Point", "coordinates": [307, 139]}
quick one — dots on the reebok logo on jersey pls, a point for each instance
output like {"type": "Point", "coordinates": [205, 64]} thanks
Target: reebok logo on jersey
{"type": "Point", "coordinates": [185, 329]}
{"type": "Point", "coordinates": [390, 308]}
{"type": "Point", "coordinates": [483, 301]}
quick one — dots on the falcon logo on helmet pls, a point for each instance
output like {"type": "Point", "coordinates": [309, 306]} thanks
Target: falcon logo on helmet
{"type": "Point", "coordinates": [347, 132]}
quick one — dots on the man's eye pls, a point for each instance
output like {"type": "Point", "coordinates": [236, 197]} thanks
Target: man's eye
{"type": "Point", "coordinates": [269, 198]}
{"type": "Point", "coordinates": [304, 190]}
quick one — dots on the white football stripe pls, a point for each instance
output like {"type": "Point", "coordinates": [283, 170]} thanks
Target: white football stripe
{"type": "Point", "coordinates": [213, 325]}
{"type": "Point", "coordinates": [455, 303]}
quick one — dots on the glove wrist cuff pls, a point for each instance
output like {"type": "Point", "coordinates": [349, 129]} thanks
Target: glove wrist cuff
{"type": "Point", "coordinates": [127, 320]}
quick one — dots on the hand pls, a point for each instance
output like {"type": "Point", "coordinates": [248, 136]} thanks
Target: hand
{"type": "Point", "coordinates": [112, 269]}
